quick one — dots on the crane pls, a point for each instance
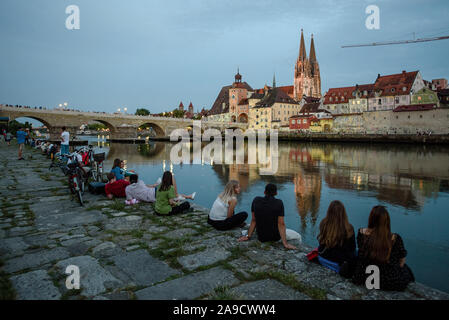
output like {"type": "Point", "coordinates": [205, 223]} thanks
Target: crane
{"type": "Point", "coordinates": [385, 43]}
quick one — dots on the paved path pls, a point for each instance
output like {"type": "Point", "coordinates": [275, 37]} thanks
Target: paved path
{"type": "Point", "coordinates": [130, 253]}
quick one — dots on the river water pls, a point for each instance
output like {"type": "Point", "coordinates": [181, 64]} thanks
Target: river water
{"type": "Point", "coordinates": [411, 181]}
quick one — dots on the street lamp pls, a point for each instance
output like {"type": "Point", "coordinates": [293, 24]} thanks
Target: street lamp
{"type": "Point", "coordinates": [65, 104]}
{"type": "Point", "coordinates": [118, 109]}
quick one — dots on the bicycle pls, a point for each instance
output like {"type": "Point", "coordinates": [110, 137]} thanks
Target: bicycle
{"type": "Point", "coordinates": [75, 181]}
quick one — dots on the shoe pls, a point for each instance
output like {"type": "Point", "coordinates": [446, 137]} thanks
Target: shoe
{"type": "Point", "coordinates": [193, 195]}
{"type": "Point", "coordinates": [159, 180]}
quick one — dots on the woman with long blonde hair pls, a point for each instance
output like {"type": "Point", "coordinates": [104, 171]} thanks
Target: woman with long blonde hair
{"type": "Point", "coordinates": [336, 237]}
{"type": "Point", "coordinates": [222, 216]}
{"type": "Point", "coordinates": [380, 247]}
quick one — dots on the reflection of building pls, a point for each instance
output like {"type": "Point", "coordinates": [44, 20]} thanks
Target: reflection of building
{"type": "Point", "coordinates": [308, 195]}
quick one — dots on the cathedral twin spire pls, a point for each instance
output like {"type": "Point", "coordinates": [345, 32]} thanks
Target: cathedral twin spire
{"type": "Point", "coordinates": [307, 72]}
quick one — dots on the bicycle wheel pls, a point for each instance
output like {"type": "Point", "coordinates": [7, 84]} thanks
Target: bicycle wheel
{"type": "Point", "coordinates": [71, 187]}
{"type": "Point", "coordinates": [80, 197]}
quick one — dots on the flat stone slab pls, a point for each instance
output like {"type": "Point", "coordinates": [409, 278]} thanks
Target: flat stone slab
{"type": "Point", "coordinates": [12, 245]}
{"type": "Point", "coordinates": [124, 223]}
{"type": "Point", "coordinates": [267, 289]}
{"type": "Point", "coordinates": [36, 259]}
{"type": "Point", "coordinates": [189, 287]}
{"type": "Point", "coordinates": [203, 258]}
{"type": "Point", "coordinates": [104, 249]}
{"type": "Point", "coordinates": [35, 285]}
{"type": "Point", "coordinates": [93, 278]}
{"type": "Point", "coordinates": [142, 268]}
{"type": "Point", "coordinates": [179, 233]}
{"type": "Point", "coordinates": [67, 219]}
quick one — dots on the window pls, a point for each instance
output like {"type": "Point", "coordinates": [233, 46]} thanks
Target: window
{"type": "Point", "coordinates": [392, 90]}
{"type": "Point", "coordinates": [396, 99]}
{"type": "Point", "coordinates": [420, 116]}
{"type": "Point", "coordinates": [408, 117]}
{"type": "Point", "coordinates": [380, 101]}
{"type": "Point", "coordinates": [404, 89]}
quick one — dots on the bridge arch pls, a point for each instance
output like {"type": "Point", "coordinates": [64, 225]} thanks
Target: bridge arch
{"type": "Point", "coordinates": [43, 121]}
{"type": "Point", "coordinates": [111, 128]}
{"type": "Point", "coordinates": [152, 127]}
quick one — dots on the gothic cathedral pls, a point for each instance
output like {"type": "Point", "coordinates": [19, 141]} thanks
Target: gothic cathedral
{"type": "Point", "coordinates": [307, 73]}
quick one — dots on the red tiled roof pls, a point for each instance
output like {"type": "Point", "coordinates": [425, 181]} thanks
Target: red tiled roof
{"type": "Point", "coordinates": [181, 105]}
{"type": "Point", "coordinates": [365, 87]}
{"type": "Point", "coordinates": [415, 107]}
{"type": "Point", "coordinates": [395, 84]}
{"type": "Point", "coordinates": [338, 95]}
{"type": "Point", "coordinates": [310, 107]}
{"type": "Point", "coordinates": [287, 89]}
{"type": "Point", "coordinates": [311, 99]}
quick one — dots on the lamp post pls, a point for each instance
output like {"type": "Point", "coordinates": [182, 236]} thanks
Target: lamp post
{"type": "Point", "coordinates": [125, 109]}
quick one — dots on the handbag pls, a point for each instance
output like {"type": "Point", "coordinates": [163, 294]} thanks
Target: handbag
{"type": "Point", "coordinates": [312, 255]}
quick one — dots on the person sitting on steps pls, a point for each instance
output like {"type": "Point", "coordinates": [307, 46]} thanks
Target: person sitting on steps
{"type": "Point", "coordinates": [380, 247]}
{"type": "Point", "coordinates": [115, 188]}
{"type": "Point", "coordinates": [116, 170]}
{"type": "Point", "coordinates": [222, 216]}
{"type": "Point", "coordinates": [337, 239]}
{"type": "Point", "coordinates": [268, 219]}
{"type": "Point", "coordinates": [166, 195]}
{"type": "Point", "coordinates": [138, 190]}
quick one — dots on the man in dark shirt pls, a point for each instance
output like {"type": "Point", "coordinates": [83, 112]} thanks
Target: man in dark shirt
{"type": "Point", "coordinates": [268, 218]}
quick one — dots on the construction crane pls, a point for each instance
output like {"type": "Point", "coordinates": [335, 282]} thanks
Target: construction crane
{"type": "Point", "coordinates": [385, 43]}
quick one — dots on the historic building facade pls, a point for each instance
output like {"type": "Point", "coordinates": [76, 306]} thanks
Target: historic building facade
{"type": "Point", "coordinates": [307, 79]}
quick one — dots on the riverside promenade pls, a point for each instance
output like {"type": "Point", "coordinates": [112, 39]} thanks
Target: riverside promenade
{"type": "Point", "coordinates": [127, 252]}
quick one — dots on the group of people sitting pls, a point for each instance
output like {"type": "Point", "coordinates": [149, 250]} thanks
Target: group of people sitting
{"type": "Point", "coordinates": [377, 245]}
{"type": "Point", "coordinates": [164, 193]}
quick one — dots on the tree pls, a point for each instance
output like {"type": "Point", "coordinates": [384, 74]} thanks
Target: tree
{"type": "Point", "coordinates": [178, 113]}
{"type": "Point", "coordinates": [15, 125]}
{"type": "Point", "coordinates": [142, 112]}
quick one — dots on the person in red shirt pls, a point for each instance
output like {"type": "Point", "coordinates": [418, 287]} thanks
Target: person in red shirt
{"type": "Point", "coordinates": [115, 188]}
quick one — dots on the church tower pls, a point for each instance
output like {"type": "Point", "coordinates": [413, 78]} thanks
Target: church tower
{"type": "Point", "coordinates": [307, 80]}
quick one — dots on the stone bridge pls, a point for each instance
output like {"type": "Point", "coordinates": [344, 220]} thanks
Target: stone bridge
{"type": "Point", "coordinates": [121, 126]}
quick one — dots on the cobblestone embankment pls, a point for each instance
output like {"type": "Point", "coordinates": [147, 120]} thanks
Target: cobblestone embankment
{"type": "Point", "coordinates": [130, 253]}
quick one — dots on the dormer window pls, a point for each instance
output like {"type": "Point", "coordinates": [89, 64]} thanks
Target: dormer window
{"type": "Point", "coordinates": [404, 89]}
{"type": "Point", "coordinates": [392, 90]}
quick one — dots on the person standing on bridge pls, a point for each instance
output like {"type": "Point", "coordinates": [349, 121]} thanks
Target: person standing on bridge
{"type": "Point", "coordinates": [65, 138]}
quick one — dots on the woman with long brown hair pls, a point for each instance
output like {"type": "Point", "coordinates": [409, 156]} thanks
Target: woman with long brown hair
{"type": "Point", "coordinates": [336, 237]}
{"type": "Point", "coordinates": [167, 195]}
{"type": "Point", "coordinates": [378, 246]}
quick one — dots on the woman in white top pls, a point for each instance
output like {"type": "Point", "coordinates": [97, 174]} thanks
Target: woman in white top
{"type": "Point", "coordinates": [222, 216]}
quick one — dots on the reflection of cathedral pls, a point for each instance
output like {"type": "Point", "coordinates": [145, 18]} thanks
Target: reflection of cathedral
{"type": "Point", "coordinates": [308, 196]}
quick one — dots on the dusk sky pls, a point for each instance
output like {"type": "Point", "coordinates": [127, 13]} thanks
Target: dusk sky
{"type": "Point", "coordinates": [154, 54]}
